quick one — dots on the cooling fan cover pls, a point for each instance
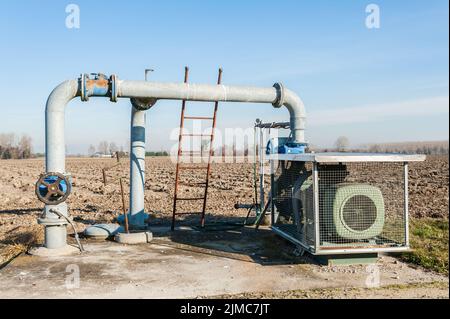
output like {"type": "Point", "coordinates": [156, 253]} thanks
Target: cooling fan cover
{"type": "Point", "coordinates": [358, 211]}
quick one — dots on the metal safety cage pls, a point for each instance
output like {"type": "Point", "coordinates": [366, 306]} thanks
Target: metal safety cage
{"type": "Point", "coordinates": [333, 203]}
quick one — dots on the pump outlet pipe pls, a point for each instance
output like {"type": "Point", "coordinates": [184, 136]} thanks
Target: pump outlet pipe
{"type": "Point", "coordinates": [143, 95]}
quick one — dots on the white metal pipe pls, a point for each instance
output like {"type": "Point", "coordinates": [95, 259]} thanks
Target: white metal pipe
{"type": "Point", "coordinates": [221, 93]}
{"type": "Point", "coordinates": [56, 235]}
{"type": "Point", "coordinates": [54, 125]}
{"type": "Point", "coordinates": [137, 169]}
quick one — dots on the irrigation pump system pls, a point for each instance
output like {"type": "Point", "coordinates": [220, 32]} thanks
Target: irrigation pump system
{"type": "Point", "coordinates": [53, 187]}
{"type": "Point", "coordinates": [325, 203]}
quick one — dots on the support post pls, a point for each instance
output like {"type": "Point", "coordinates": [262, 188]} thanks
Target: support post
{"type": "Point", "coordinates": [261, 169]}
{"type": "Point", "coordinates": [316, 206]}
{"type": "Point", "coordinates": [406, 199]}
{"type": "Point", "coordinates": [137, 213]}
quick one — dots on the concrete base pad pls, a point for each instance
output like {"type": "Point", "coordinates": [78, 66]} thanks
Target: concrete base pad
{"type": "Point", "coordinates": [134, 238]}
{"type": "Point", "coordinates": [46, 252]}
{"type": "Point", "coordinates": [346, 260]}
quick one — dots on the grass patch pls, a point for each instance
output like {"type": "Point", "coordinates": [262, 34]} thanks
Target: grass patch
{"type": "Point", "coordinates": [429, 241]}
{"type": "Point", "coordinates": [18, 243]}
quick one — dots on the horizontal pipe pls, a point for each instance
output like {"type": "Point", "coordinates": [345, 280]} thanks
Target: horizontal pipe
{"type": "Point", "coordinates": [221, 93]}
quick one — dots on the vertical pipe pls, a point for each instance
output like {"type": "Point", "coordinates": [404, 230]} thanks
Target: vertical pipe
{"type": "Point", "coordinates": [55, 157]}
{"type": "Point", "coordinates": [406, 199]}
{"type": "Point", "coordinates": [272, 195]}
{"type": "Point", "coordinates": [255, 158]}
{"type": "Point", "coordinates": [137, 169]}
{"type": "Point", "coordinates": [261, 168]}
{"type": "Point", "coordinates": [316, 207]}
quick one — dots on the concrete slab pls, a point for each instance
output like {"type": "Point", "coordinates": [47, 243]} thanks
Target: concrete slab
{"type": "Point", "coordinates": [42, 251]}
{"type": "Point", "coordinates": [186, 263]}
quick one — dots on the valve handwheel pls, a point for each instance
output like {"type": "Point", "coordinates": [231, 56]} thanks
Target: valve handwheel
{"type": "Point", "coordinates": [52, 188]}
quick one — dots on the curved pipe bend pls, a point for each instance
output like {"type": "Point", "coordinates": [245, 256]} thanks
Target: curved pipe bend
{"type": "Point", "coordinates": [297, 115]}
{"type": "Point", "coordinates": [54, 124]}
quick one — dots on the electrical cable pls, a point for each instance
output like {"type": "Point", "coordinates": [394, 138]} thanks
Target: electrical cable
{"type": "Point", "coordinates": [80, 246]}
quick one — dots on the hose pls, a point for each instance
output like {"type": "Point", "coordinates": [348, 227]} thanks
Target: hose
{"type": "Point", "coordinates": [80, 246]}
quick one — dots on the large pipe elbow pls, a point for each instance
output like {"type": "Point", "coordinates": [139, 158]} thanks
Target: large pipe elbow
{"type": "Point", "coordinates": [296, 108]}
{"type": "Point", "coordinates": [297, 116]}
{"type": "Point", "coordinates": [54, 124]}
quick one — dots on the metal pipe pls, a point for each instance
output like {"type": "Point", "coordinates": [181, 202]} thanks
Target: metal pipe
{"type": "Point", "coordinates": [276, 95]}
{"type": "Point", "coordinates": [137, 169]}
{"type": "Point", "coordinates": [54, 125]}
{"type": "Point", "coordinates": [55, 228]}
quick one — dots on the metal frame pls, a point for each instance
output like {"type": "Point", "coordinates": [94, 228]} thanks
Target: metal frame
{"type": "Point", "coordinates": [259, 139]}
{"type": "Point", "coordinates": [316, 206]}
{"type": "Point", "coordinates": [406, 201]}
{"type": "Point", "coordinates": [318, 158]}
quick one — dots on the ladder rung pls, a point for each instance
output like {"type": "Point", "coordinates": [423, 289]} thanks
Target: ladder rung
{"type": "Point", "coordinates": [190, 198]}
{"type": "Point", "coordinates": [199, 135]}
{"type": "Point", "coordinates": [198, 118]}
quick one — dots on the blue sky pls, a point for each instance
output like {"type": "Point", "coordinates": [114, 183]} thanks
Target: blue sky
{"type": "Point", "coordinates": [372, 85]}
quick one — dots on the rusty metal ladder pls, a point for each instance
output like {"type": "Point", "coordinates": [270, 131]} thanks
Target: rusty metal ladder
{"type": "Point", "coordinates": [180, 165]}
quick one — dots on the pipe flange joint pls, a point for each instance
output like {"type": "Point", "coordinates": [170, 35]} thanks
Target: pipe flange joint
{"type": "Point", "coordinates": [83, 87]}
{"type": "Point", "coordinates": [143, 104]}
{"type": "Point", "coordinates": [280, 95]}
{"type": "Point", "coordinates": [52, 221]}
{"type": "Point", "coordinates": [113, 84]}
{"type": "Point", "coordinates": [98, 84]}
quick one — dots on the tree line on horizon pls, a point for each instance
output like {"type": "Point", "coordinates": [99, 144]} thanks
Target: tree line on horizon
{"type": "Point", "coordinates": [15, 147]}
{"type": "Point", "coordinates": [342, 144]}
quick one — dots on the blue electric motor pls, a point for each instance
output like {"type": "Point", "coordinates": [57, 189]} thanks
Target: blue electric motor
{"type": "Point", "coordinates": [283, 146]}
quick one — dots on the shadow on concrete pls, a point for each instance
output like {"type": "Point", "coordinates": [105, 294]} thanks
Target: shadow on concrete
{"type": "Point", "coordinates": [227, 237]}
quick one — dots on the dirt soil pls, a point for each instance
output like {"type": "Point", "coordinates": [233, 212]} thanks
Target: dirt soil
{"type": "Point", "coordinates": [91, 202]}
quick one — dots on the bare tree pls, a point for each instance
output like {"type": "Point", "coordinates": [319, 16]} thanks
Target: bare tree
{"type": "Point", "coordinates": [103, 147]}
{"type": "Point", "coordinates": [24, 147]}
{"type": "Point", "coordinates": [91, 150]}
{"type": "Point", "coordinates": [113, 148]}
{"type": "Point", "coordinates": [342, 144]}
{"type": "Point", "coordinates": [7, 140]}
